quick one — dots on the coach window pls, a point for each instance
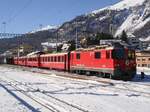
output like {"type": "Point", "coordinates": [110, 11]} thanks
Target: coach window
{"type": "Point", "coordinates": [58, 58]}
{"type": "Point", "coordinates": [51, 59]}
{"type": "Point", "coordinates": [97, 55]}
{"type": "Point", "coordinates": [55, 59]}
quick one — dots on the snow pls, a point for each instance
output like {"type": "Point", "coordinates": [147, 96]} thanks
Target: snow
{"type": "Point", "coordinates": [68, 94]}
{"type": "Point", "coordinates": [142, 24]}
{"type": "Point", "coordinates": [50, 44]}
{"type": "Point", "coordinates": [135, 19]}
{"type": "Point", "coordinates": [48, 27]}
{"type": "Point", "coordinates": [127, 24]}
{"type": "Point", "coordinates": [147, 39]}
{"type": "Point", "coordinates": [127, 4]}
{"type": "Point", "coordinates": [123, 4]}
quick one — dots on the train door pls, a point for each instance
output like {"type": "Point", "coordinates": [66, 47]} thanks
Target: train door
{"type": "Point", "coordinates": [65, 58]}
{"type": "Point", "coordinates": [39, 60]}
{"type": "Point", "coordinates": [68, 61]}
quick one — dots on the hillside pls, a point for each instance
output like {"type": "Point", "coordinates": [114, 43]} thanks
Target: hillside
{"type": "Point", "coordinates": [133, 16]}
{"type": "Point", "coordinates": [32, 39]}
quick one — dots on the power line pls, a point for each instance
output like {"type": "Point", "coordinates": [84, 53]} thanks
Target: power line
{"type": "Point", "coordinates": [20, 11]}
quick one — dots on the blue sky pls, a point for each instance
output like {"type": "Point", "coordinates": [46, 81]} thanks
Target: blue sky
{"type": "Point", "coordinates": [25, 15]}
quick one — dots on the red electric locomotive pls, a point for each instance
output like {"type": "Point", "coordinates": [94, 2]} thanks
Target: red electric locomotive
{"type": "Point", "coordinates": [118, 63]}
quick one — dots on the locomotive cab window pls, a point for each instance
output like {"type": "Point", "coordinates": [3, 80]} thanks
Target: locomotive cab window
{"type": "Point", "coordinates": [118, 54]}
{"type": "Point", "coordinates": [78, 56]}
{"type": "Point", "coordinates": [97, 55]}
{"type": "Point", "coordinates": [131, 55]}
{"type": "Point", "coordinates": [108, 54]}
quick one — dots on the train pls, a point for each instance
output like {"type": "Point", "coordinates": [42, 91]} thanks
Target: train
{"type": "Point", "coordinates": [107, 61]}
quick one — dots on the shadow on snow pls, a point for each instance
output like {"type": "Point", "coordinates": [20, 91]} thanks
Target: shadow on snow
{"type": "Point", "coordinates": [20, 99]}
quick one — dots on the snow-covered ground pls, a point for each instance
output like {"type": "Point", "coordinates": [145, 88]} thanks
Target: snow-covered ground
{"type": "Point", "coordinates": [24, 89]}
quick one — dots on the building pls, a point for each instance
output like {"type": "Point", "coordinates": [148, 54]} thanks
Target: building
{"type": "Point", "coordinates": [143, 59]}
{"type": "Point", "coordinates": [134, 42]}
{"type": "Point", "coordinates": [47, 46]}
{"type": "Point", "coordinates": [145, 45]}
{"type": "Point", "coordinates": [109, 41]}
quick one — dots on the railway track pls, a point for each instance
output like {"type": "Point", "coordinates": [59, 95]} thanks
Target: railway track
{"type": "Point", "coordinates": [107, 82]}
{"type": "Point", "coordinates": [37, 100]}
{"type": "Point", "coordinates": [15, 83]}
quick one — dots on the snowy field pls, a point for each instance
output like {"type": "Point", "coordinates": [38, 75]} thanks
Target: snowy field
{"type": "Point", "coordinates": [35, 90]}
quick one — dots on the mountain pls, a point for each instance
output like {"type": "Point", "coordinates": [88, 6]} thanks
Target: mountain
{"type": "Point", "coordinates": [29, 39]}
{"type": "Point", "coordinates": [133, 16]}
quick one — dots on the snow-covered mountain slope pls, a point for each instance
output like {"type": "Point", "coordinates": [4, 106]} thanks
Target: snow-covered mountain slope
{"type": "Point", "coordinates": [124, 4]}
{"type": "Point", "coordinates": [133, 16]}
{"type": "Point", "coordinates": [138, 14]}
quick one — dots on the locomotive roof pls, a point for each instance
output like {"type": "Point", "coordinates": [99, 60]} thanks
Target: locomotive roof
{"type": "Point", "coordinates": [103, 47]}
{"type": "Point", "coordinates": [96, 48]}
{"type": "Point", "coordinates": [54, 54]}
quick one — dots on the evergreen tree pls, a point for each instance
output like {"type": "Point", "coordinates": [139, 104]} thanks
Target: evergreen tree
{"type": "Point", "coordinates": [72, 45]}
{"type": "Point", "coordinates": [124, 36]}
{"type": "Point", "coordinates": [103, 36]}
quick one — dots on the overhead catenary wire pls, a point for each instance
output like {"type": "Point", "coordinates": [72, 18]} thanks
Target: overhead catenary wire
{"type": "Point", "coordinates": [25, 6]}
{"type": "Point", "coordinates": [14, 16]}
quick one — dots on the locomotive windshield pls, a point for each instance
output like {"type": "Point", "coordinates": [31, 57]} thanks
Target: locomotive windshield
{"type": "Point", "coordinates": [118, 54]}
{"type": "Point", "coordinates": [131, 55]}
